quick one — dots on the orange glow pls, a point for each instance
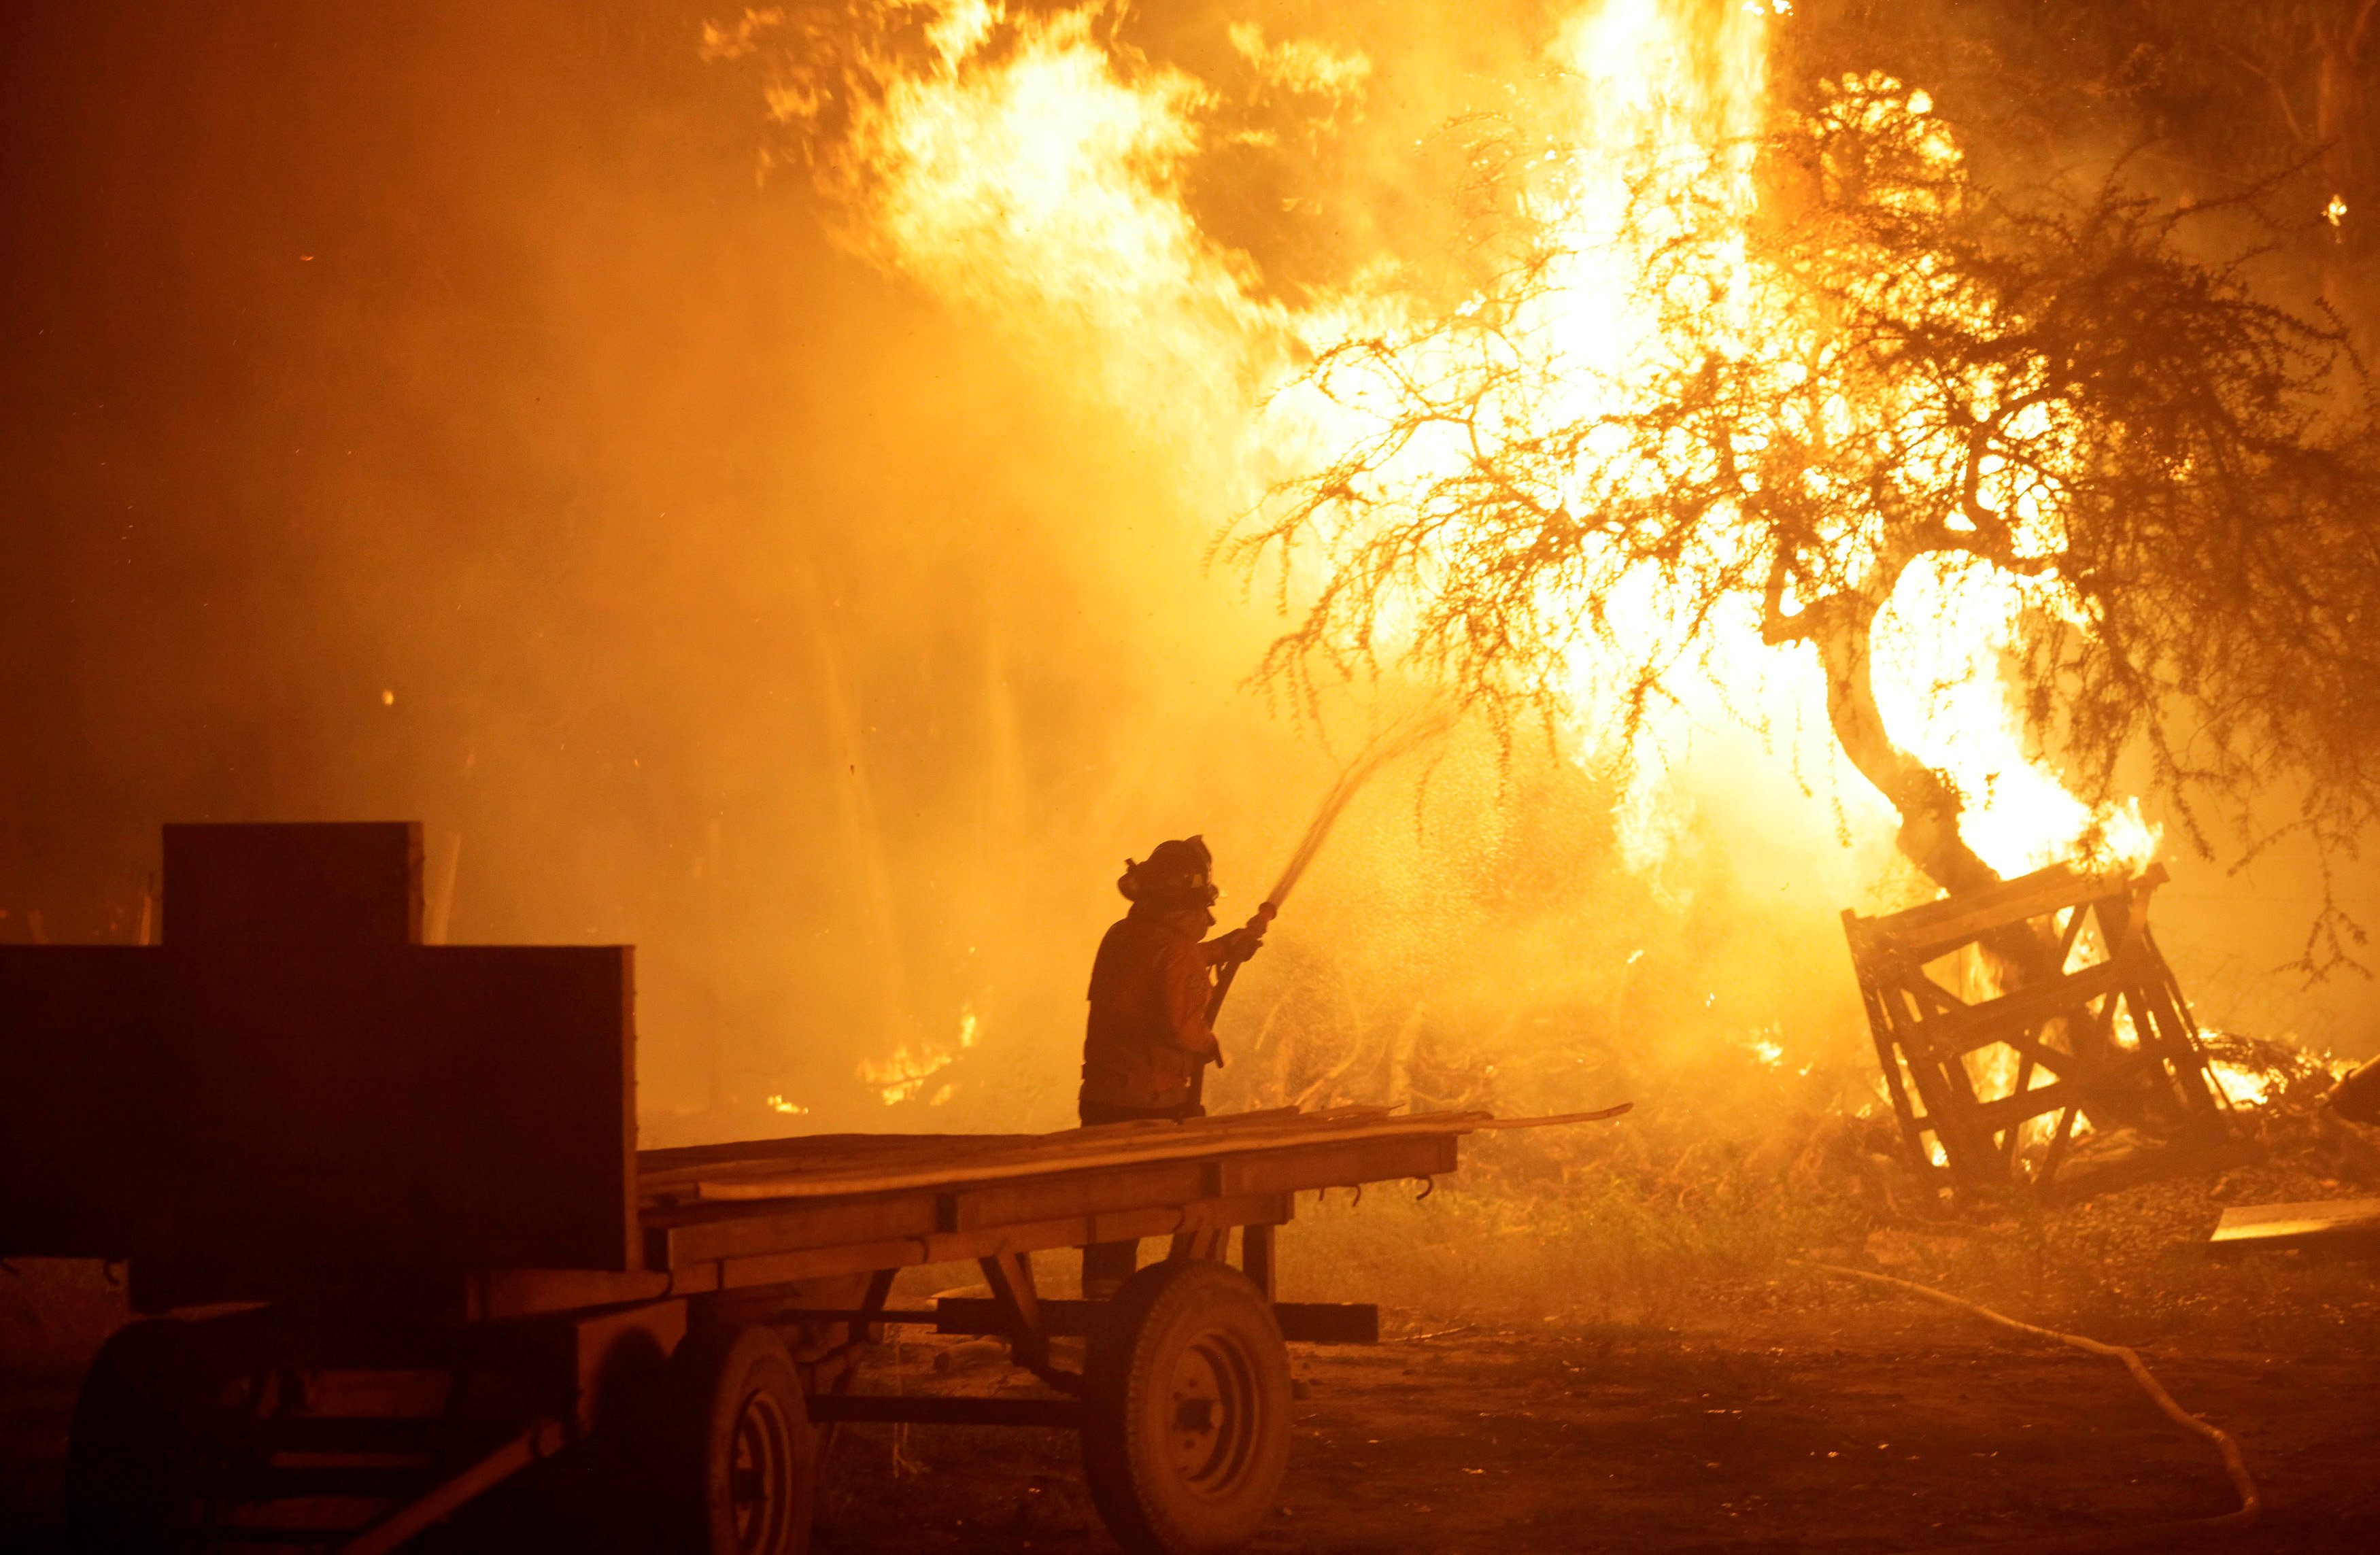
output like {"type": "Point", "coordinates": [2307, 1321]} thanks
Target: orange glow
{"type": "Point", "coordinates": [904, 1075]}
{"type": "Point", "coordinates": [1030, 169]}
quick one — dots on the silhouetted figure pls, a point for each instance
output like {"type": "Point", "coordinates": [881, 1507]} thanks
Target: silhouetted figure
{"type": "Point", "coordinates": [1147, 1035]}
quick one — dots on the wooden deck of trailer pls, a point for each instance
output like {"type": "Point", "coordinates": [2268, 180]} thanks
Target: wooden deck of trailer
{"type": "Point", "coordinates": [390, 1192]}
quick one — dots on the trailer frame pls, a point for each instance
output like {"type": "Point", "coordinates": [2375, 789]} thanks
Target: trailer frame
{"type": "Point", "coordinates": [336, 1354]}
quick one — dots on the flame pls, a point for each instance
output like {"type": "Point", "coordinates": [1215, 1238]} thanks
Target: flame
{"type": "Point", "coordinates": [795, 1109]}
{"type": "Point", "coordinates": [2335, 211]}
{"type": "Point", "coordinates": [1021, 165]}
{"type": "Point", "coordinates": [2245, 1088]}
{"type": "Point", "coordinates": [905, 1074]}
{"type": "Point", "coordinates": [1032, 168]}
{"type": "Point", "coordinates": [1662, 122]}
{"type": "Point", "coordinates": [1938, 646]}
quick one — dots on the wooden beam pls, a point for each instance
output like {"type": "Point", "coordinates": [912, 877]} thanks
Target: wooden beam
{"type": "Point", "coordinates": [774, 1269]}
{"type": "Point", "coordinates": [1301, 1322]}
{"type": "Point", "coordinates": [1320, 1166]}
{"type": "Point", "coordinates": [943, 1168]}
{"type": "Point", "coordinates": [679, 1236]}
{"type": "Point", "coordinates": [1257, 1257]}
{"type": "Point", "coordinates": [1010, 1274]}
{"type": "Point", "coordinates": [926, 1409]}
{"type": "Point", "coordinates": [1981, 1025]}
{"type": "Point", "coordinates": [1939, 928]}
{"type": "Point", "coordinates": [1074, 1193]}
{"type": "Point", "coordinates": [540, 1440]}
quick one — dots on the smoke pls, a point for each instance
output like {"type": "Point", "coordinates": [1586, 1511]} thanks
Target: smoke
{"type": "Point", "coordinates": [428, 415]}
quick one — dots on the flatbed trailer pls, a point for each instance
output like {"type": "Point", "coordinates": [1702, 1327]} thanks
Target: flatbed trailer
{"type": "Point", "coordinates": [381, 1206]}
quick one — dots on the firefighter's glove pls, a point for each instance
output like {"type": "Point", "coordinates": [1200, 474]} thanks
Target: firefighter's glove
{"type": "Point", "coordinates": [1238, 947]}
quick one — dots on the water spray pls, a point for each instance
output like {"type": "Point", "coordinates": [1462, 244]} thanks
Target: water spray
{"type": "Point", "coordinates": [1385, 748]}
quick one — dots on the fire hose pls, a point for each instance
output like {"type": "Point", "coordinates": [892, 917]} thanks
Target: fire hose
{"type": "Point", "coordinates": [2251, 1501]}
{"type": "Point", "coordinates": [1385, 748]}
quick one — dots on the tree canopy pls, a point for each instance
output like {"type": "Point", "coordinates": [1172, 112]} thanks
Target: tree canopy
{"type": "Point", "coordinates": [1851, 370]}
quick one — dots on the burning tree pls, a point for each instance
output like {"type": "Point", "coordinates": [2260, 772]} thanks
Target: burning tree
{"type": "Point", "coordinates": [1762, 387]}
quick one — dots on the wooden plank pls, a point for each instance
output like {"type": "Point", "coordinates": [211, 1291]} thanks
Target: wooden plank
{"type": "Point", "coordinates": [2012, 1137]}
{"type": "Point", "coordinates": [1904, 1046]}
{"type": "Point", "coordinates": [679, 1238]}
{"type": "Point", "coordinates": [1979, 1026]}
{"type": "Point", "coordinates": [669, 1173]}
{"type": "Point", "coordinates": [1080, 1230]}
{"type": "Point", "coordinates": [1010, 1275]}
{"type": "Point", "coordinates": [1301, 1322]}
{"type": "Point", "coordinates": [1888, 1049]}
{"type": "Point", "coordinates": [860, 1258]}
{"type": "Point", "coordinates": [659, 1172]}
{"type": "Point", "coordinates": [1926, 915]}
{"type": "Point", "coordinates": [2077, 1090]}
{"type": "Point", "coordinates": [1979, 913]}
{"type": "Point", "coordinates": [542, 1439]}
{"type": "Point", "coordinates": [1327, 1166]}
{"type": "Point", "coordinates": [676, 1238]}
{"type": "Point", "coordinates": [2029, 895]}
{"type": "Point", "coordinates": [1040, 1237]}
{"type": "Point", "coordinates": [2060, 1142]}
{"type": "Point", "coordinates": [2076, 918]}
{"type": "Point", "coordinates": [1074, 1193]}
{"type": "Point", "coordinates": [967, 1169]}
{"type": "Point", "coordinates": [2035, 1055]}
{"type": "Point", "coordinates": [1256, 1259]}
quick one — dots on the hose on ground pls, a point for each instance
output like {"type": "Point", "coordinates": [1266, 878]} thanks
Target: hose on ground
{"type": "Point", "coordinates": [2252, 1501]}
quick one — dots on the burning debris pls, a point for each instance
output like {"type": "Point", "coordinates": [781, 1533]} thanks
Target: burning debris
{"type": "Point", "coordinates": [2069, 1012]}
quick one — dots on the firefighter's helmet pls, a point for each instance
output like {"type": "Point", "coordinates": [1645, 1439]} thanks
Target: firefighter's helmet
{"type": "Point", "coordinates": [1180, 873]}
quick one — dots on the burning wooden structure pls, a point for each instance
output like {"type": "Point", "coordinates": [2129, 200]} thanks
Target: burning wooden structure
{"type": "Point", "coordinates": [2097, 1030]}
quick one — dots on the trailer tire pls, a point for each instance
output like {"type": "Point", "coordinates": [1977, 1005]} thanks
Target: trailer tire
{"type": "Point", "coordinates": [133, 1467]}
{"type": "Point", "coordinates": [1187, 1389]}
{"type": "Point", "coordinates": [738, 1460]}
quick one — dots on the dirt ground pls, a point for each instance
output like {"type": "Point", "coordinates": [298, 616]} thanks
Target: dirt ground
{"type": "Point", "coordinates": [1888, 1428]}
{"type": "Point", "coordinates": [1875, 1425]}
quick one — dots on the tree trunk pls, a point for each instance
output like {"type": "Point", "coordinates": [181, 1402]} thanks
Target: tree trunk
{"type": "Point", "coordinates": [1928, 802]}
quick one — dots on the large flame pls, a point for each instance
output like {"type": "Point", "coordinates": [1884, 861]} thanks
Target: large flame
{"type": "Point", "coordinates": [1033, 168]}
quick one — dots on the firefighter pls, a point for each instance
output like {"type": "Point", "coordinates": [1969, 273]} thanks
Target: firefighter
{"type": "Point", "coordinates": [1147, 1036]}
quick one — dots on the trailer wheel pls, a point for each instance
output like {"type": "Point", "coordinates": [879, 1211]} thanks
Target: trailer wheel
{"type": "Point", "coordinates": [738, 1462]}
{"type": "Point", "coordinates": [133, 1469]}
{"type": "Point", "coordinates": [1187, 1392]}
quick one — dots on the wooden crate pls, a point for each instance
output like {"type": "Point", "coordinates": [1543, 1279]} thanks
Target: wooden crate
{"type": "Point", "coordinates": [2107, 1037]}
